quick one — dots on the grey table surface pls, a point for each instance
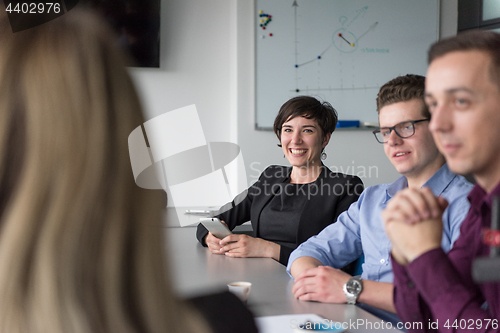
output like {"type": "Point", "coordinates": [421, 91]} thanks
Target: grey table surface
{"type": "Point", "coordinates": [196, 271]}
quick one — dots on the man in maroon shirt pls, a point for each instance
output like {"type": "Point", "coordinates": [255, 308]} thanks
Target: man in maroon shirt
{"type": "Point", "coordinates": [435, 291]}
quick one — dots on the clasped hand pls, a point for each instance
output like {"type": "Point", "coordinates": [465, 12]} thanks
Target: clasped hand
{"type": "Point", "coordinates": [413, 222]}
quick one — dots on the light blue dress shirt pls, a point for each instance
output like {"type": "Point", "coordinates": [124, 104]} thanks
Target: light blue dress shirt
{"type": "Point", "coordinates": [360, 229]}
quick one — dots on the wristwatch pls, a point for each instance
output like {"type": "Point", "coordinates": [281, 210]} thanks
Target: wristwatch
{"type": "Point", "coordinates": [352, 289]}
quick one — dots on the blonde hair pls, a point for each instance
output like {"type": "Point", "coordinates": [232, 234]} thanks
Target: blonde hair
{"type": "Point", "coordinates": [80, 244]}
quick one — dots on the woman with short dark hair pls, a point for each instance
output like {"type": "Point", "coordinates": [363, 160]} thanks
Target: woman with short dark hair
{"type": "Point", "coordinates": [287, 205]}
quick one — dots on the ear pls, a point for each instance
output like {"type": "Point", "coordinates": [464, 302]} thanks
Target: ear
{"type": "Point", "coordinates": [326, 139]}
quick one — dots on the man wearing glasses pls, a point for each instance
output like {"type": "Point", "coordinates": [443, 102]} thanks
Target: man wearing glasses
{"type": "Point", "coordinates": [408, 143]}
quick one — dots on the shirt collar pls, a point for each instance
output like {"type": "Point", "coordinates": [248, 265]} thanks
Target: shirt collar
{"type": "Point", "coordinates": [478, 196]}
{"type": "Point", "coordinates": [397, 186]}
{"type": "Point", "coordinates": [437, 183]}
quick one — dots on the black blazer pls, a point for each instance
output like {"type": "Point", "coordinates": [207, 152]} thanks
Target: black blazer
{"type": "Point", "coordinates": [336, 192]}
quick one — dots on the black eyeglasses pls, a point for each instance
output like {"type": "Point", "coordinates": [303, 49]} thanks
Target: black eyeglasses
{"type": "Point", "coordinates": [403, 130]}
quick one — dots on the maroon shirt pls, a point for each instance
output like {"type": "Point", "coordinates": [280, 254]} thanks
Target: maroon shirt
{"type": "Point", "coordinates": [437, 288]}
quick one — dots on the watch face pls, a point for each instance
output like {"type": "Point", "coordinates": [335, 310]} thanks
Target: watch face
{"type": "Point", "coordinates": [353, 287]}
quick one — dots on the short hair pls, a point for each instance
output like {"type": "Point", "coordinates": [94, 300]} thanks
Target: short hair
{"type": "Point", "coordinates": [308, 107]}
{"type": "Point", "coordinates": [402, 89]}
{"type": "Point", "coordinates": [473, 40]}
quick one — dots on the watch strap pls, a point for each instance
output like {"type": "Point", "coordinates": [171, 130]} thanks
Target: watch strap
{"type": "Point", "coordinates": [353, 297]}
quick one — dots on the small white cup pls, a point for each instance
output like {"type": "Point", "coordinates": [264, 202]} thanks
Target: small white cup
{"type": "Point", "coordinates": [240, 289]}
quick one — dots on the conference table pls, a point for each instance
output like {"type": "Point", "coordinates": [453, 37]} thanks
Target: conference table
{"type": "Point", "coordinates": [196, 272]}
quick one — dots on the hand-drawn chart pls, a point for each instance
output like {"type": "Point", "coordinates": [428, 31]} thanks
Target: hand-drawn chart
{"type": "Point", "coordinates": [340, 51]}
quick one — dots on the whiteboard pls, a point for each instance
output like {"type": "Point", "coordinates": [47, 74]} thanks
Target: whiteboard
{"type": "Point", "coordinates": [341, 51]}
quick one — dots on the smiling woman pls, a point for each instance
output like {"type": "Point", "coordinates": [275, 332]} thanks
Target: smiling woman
{"type": "Point", "coordinates": [287, 205]}
{"type": "Point", "coordinates": [304, 127]}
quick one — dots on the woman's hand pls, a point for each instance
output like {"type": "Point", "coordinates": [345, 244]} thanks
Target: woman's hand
{"type": "Point", "coordinates": [213, 242]}
{"type": "Point", "coordinates": [244, 246]}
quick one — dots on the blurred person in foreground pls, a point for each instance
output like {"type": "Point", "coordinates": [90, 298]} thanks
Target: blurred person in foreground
{"type": "Point", "coordinates": [81, 246]}
{"type": "Point", "coordinates": [435, 290]}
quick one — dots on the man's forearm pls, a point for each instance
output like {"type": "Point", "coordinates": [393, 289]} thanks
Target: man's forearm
{"type": "Point", "coordinates": [303, 263]}
{"type": "Point", "coordinates": [378, 294]}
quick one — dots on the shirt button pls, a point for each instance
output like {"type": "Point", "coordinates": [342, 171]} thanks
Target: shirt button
{"type": "Point", "coordinates": [411, 285]}
{"type": "Point", "coordinates": [382, 261]}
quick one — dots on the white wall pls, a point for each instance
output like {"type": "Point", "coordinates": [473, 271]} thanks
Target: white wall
{"type": "Point", "coordinates": [207, 58]}
{"type": "Point", "coordinates": [196, 65]}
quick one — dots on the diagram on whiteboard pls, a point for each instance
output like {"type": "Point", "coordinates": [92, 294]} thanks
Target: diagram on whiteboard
{"type": "Point", "coordinates": [341, 51]}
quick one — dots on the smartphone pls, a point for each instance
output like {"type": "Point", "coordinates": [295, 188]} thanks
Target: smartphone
{"type": "Point", "coordinates": [216, 227]}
